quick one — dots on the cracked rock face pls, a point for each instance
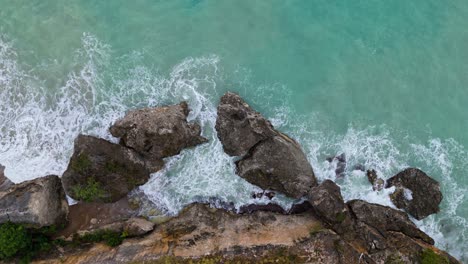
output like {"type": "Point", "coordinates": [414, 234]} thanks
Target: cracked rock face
{"type": "Point", "coordinates": [102, 171]}
{"type": "Point", "coordinates": [158, 132]}
{"type": "Point", "coordinates": [38, 203]}
{"type": "Point", "coordinates": [271, 160]}
{"type": "Point", "coordinates": [240, 127]}
{"type": "Point", "coordinates": [416, 193]}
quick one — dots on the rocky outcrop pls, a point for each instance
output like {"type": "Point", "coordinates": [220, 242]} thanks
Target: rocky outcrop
{"type": "Point", "coordinates": [416, 193]}
{"type": "Point", "coordinates": [137, 226]}
{"type": "Point", "coordinates": [5, 183]}
{"type": "Point", "coordinates": [272, 160]}
{"type": "Point", "coordinates": [385, 219]}
{"type": "Point", "coordinates": [279, 164]}
{"type": "Point", "coordinates": [328, 204]}
{"type": "Point", "coordinates": [240, 127]}
{"type": "Point", "coordinates": [211, 235]}
{"type": "Point", "coordinates": [103, 171]}
{"type": "Point", "coordinates": [377, 183]}
{"type": "Point", "coordinates": [158, 132]}
{"type": "Point", "coordinates": [37, 203]}
{"type": "Point", "coordinates": [340, 163]}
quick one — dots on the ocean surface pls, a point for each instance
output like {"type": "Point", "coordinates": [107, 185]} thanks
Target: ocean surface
{"type": "Point", "coordinates": [385, 82]}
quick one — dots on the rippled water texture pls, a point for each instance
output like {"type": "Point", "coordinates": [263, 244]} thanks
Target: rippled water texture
{"type": "Point", "coordinates": [383, 81]}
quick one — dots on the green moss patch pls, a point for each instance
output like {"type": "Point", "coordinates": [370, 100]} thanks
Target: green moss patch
{"type": "Point", "coordinates": [91, 191]}
{"type": "Point", "coordinates": [111, 238]}
{"type": "Point", "coordinates": [428, 256]}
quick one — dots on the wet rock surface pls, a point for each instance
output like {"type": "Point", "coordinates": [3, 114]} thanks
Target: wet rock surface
{"type": "Point", "coordinates": [240, 127]}
{"type": "Point", "coordinates": [278, 164]}
{"type": "Point", "coordinates": [340, 161]}
{"type": "Point", "coordinates": [377, 183]}
{"type": "Point", "coordinates": [385, 219]}
{"type": "Point", "coordinates": [158, 132]}
{"type": "Point", "coordinates": [416, 193]}
{"type": "Point", "coordinates": [102, 171]}
{"type": "Point", "coordinates": [271, 159]}
{"type": "Point", "coordinates": [36, 203]}
{"type": "Point", "coordinates": [5, 183]}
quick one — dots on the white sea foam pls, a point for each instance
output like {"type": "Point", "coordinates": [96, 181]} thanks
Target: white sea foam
{"type": "Point", "coordinates": [38, 125]}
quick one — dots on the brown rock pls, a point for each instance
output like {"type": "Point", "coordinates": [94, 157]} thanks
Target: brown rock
{"type": "Point", "coordinates": [158, 132]}
{"type": "Point", "coordinates": [137, 226]}
{"type": "Point", "coordinates": [416, 193]}
{"type": "Point", "coordinates": [38, 203]}
{"type": "Point", "coordinates": [240, 127]}
{"type": "Point", "coordinates": [384, 219]}
{"type": "Point", "coordinates": [5, 183]}
{"type": "Point", "coordinates": [103, 171]}
{"type": "Point", "coordinates": [278, 164]}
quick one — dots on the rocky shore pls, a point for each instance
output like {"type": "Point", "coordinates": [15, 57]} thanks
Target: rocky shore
{"type": "Point", "coordinates": [38, 225]}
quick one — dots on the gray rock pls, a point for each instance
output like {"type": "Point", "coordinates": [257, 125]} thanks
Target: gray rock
{"type": "Point", "coordinates": [328, 204]}
{"type": "Point", "coordinates": [416, 193]}
{"type": "Point", "coordinates": [377, 183]}
{"type": "Point", "coordinates": [385, 219]}
{"type": "Point", "coordinates": [103, 171]}
{"type": "Point", "coordinates": [37, 203]}
{"type": "Point", "coordinates": [240, 127]}
{"type": "Point", "coordinates": [158, 132]}
{"type": "Point", "coordinates": [136, 226]}
{"type": "Point", "coordinates": [340, 164]}
{"type": "Point", "coordinates": [5, 183]}
{"type": "Point", "coordinates": [278, 164]}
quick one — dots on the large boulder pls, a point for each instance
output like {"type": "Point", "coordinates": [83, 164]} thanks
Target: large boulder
{"type": "Point", "coordinates": [36, 203]}
{"type": "Point", "coordinates": [240, 127]}
{"type": "Point", "coordinates": [158, 132]}
{"type": "Point", "coordinates": [5, 183]}
{"type": "Point", "coordinates": [279, 164]}
{"type": "Point", "coordinates": [385, 219]}
{"type": "Point", "coordinates": [102, 171]}
{"type": "Point", "coordinates": [328, 204]}
{"type": "Point", "coordinates": [416, 193]}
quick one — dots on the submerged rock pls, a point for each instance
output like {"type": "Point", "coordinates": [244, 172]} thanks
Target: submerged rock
{"type": "Point", "coordinates": [240, 127]}
{"type": "Point", "coordinates": [416, 193]}
{"type": "Point", "coordinates": [5, 183]}
{"type": "Point", "coordinates": [102, 171]}
{"type": "Point", "coordinates": [37, 203]}
{"type": "Point", "coordinates": [340, 164]}
{"type": "Point", "coordinates": [278, 164]}
{"type": "Point", "coordinates": [377, 183]}
{"type": "Point", "coordinates": [158, 132]}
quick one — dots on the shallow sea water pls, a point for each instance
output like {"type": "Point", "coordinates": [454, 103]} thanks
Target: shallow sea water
{"type": "Point", "coordinates": [383, 81]}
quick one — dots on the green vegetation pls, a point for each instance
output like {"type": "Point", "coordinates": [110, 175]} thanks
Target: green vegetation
{"type": "Point", "coordinates": [340, 217]}
{"type": "Point", "coordinates": [315, 229]}
{"type": "Point", "coordinates": [394, 259]}
{"type": "Point", "coordinates": [17, 240]}
{"type": "Point", "coordinates": [13, 239]}
{"type": "Point", "coordinates": [428, 256]}
{"type": "Point", "coordinates": [111, 238]}
{"type": "Point", "coordinates": [81, 164]}
{"type": "Point", "coordinates": [90, 192]}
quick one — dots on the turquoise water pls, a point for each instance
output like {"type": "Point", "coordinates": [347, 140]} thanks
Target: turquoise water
{"type": "Point", "coordinates": [383, 81]}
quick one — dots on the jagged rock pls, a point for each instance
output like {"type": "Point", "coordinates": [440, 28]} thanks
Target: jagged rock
{"type": "Point", "coordinates": [103, 171]}
{"type": "Point", "coordinates": [259, 195]}
{"type": "Point", "coordinates": [270, 207]}
{"type": "Point", "coordinates": [5, 183]}
{"type": "Point", "coordinates": [240, 127]}
{"type": "Point", "coordinates": [278, 164]}
{"type": "Point", "coordinates": [158, 132]}
{"type": "Point", "coordinates": [340, 164]}
{"type": "Point", "coordinates": [377, 183]}
{"type": "Point", "coordinates": [328, 204]}
{"type": "Point", "coordinates": [37, 203]}
{"type": "Point", "coordinates": [416, 193]}
{"type": "Point", "coordinates": [137, 226]}
{"type": "Point", "coordinates": [384, 219]}
{"type": "Point", "coordinates": [213, 235]}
